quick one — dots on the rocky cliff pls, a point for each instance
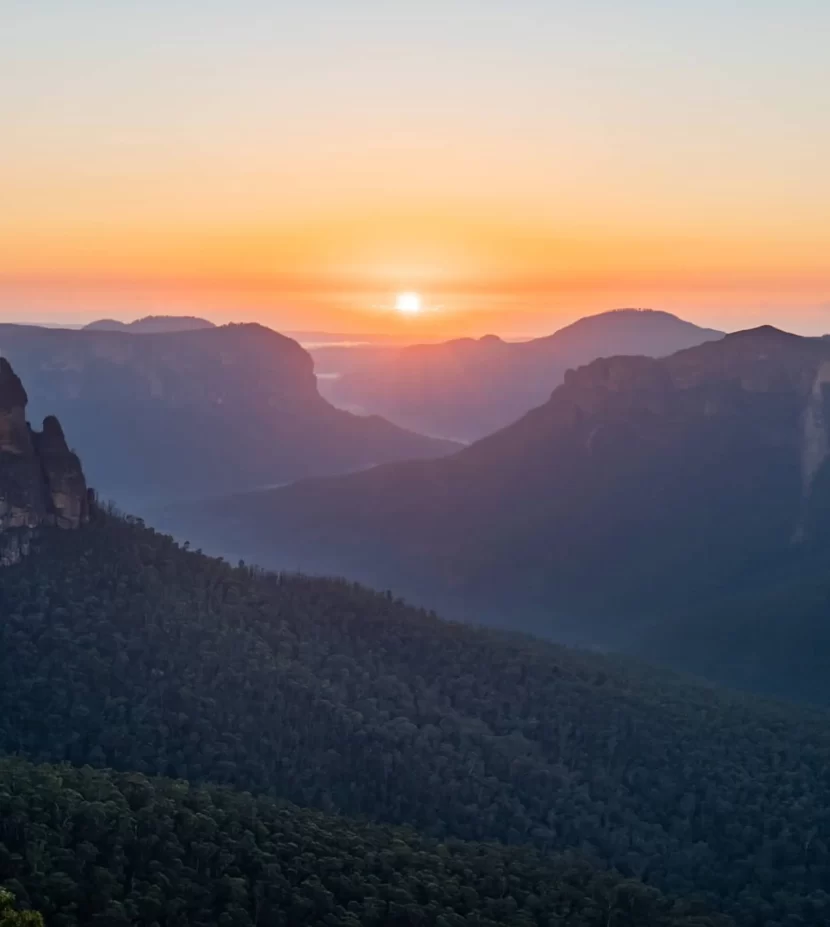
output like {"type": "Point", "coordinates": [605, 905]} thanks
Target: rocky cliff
{"type": "Point", "coordinates": [41, 480]}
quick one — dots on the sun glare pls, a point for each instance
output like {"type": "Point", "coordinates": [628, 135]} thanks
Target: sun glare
{"type": "Point", "coordinates": [408, 303]}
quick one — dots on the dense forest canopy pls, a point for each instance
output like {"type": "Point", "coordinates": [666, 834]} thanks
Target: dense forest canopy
{"type": "Point", "coordinates": [94, 847]}
{"type": "Point", "coordinates": [11, 916]}
{"type": "Point", "coordinates": [118, 648]}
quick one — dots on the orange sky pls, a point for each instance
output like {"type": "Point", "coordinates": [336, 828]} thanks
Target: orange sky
{"type": "Point", "coordinates": [518, 164]}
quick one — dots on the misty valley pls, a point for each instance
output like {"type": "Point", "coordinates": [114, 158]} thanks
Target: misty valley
{"type": "Point", "coordinates": [414, 464]}
{"type": "Point", "coordinates": [523, 679]}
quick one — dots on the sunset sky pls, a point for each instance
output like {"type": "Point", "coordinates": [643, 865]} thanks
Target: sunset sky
{"type": "Point", "coordinates": [516, 163]}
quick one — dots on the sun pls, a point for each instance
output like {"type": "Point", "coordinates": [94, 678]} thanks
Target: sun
{"type": "Point", "coordinates": [408, 303]}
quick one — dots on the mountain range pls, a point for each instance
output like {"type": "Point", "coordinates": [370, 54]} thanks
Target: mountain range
{"type": "Point", "coordinates": [193, 413]}
{"type": "Point", "coordinates": [650, 505]}
{"type": "Point", "coordinates": [468, 388]}
{"type": "Point", "coordinates": [196, 743]}
{"type": "Point", "coordinates": [151, 324]}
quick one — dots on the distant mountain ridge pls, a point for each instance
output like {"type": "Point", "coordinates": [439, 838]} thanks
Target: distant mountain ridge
{"type": "Point", "coordinates": [644, 492]}
{"type": "Point", "coordinates": [196, 413]}
{"type": "Point", "coordinates": [151, 324]}
{"type": "Point", "coordinates": [468, 388]}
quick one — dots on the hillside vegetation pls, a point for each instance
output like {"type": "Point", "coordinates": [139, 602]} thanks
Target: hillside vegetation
{"type": "Point", "coordinates": [94, 847]}
{"type": "Point", "coordinates": [120, 649]}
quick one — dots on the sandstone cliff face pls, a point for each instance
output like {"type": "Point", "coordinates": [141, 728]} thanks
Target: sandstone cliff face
{"type": "Point", "coordinates": [779, 381]}
{"type": "Point", "coordinates": [41, 480]}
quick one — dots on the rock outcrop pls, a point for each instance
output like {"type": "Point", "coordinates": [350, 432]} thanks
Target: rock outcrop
{"type": "Point", "coordinates": [41, 480]}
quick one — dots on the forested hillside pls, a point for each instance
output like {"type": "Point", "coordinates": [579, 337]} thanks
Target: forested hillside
{"type": "Point", "coordinates": [87, 847]}
{"type": "Point", "coordinates": [120, 649]}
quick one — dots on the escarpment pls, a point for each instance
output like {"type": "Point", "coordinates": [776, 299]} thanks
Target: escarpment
{"type": "Point", "coordinates": [640, 487]}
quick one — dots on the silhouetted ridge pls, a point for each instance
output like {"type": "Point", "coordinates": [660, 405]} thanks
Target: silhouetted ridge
{"type": "Point", "coordinates": [762, 331]}
{"type": "Point", "coordinates": [152, 324]}
{"type": "Point", "coordinates": [468, 388]}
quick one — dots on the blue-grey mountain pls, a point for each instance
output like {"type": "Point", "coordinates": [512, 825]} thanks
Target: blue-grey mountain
{"type": "Point", "coordinates": [196, 413]}
{"type": "Point", "coordinates": [468, 388]}
{"type": "Point", "coordinates": [677, 507]}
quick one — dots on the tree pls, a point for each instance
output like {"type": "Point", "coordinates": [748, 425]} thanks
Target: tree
{"type": "Point", "coordinates": [10, 917]}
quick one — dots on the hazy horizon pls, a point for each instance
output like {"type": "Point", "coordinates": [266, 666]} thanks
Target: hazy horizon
{"type": "Point", "coordinates": [518, 166]}
{"type": "Point", "coordinates": [388, 622]}
{"type": "Point", "coordinates": [469, 325]}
